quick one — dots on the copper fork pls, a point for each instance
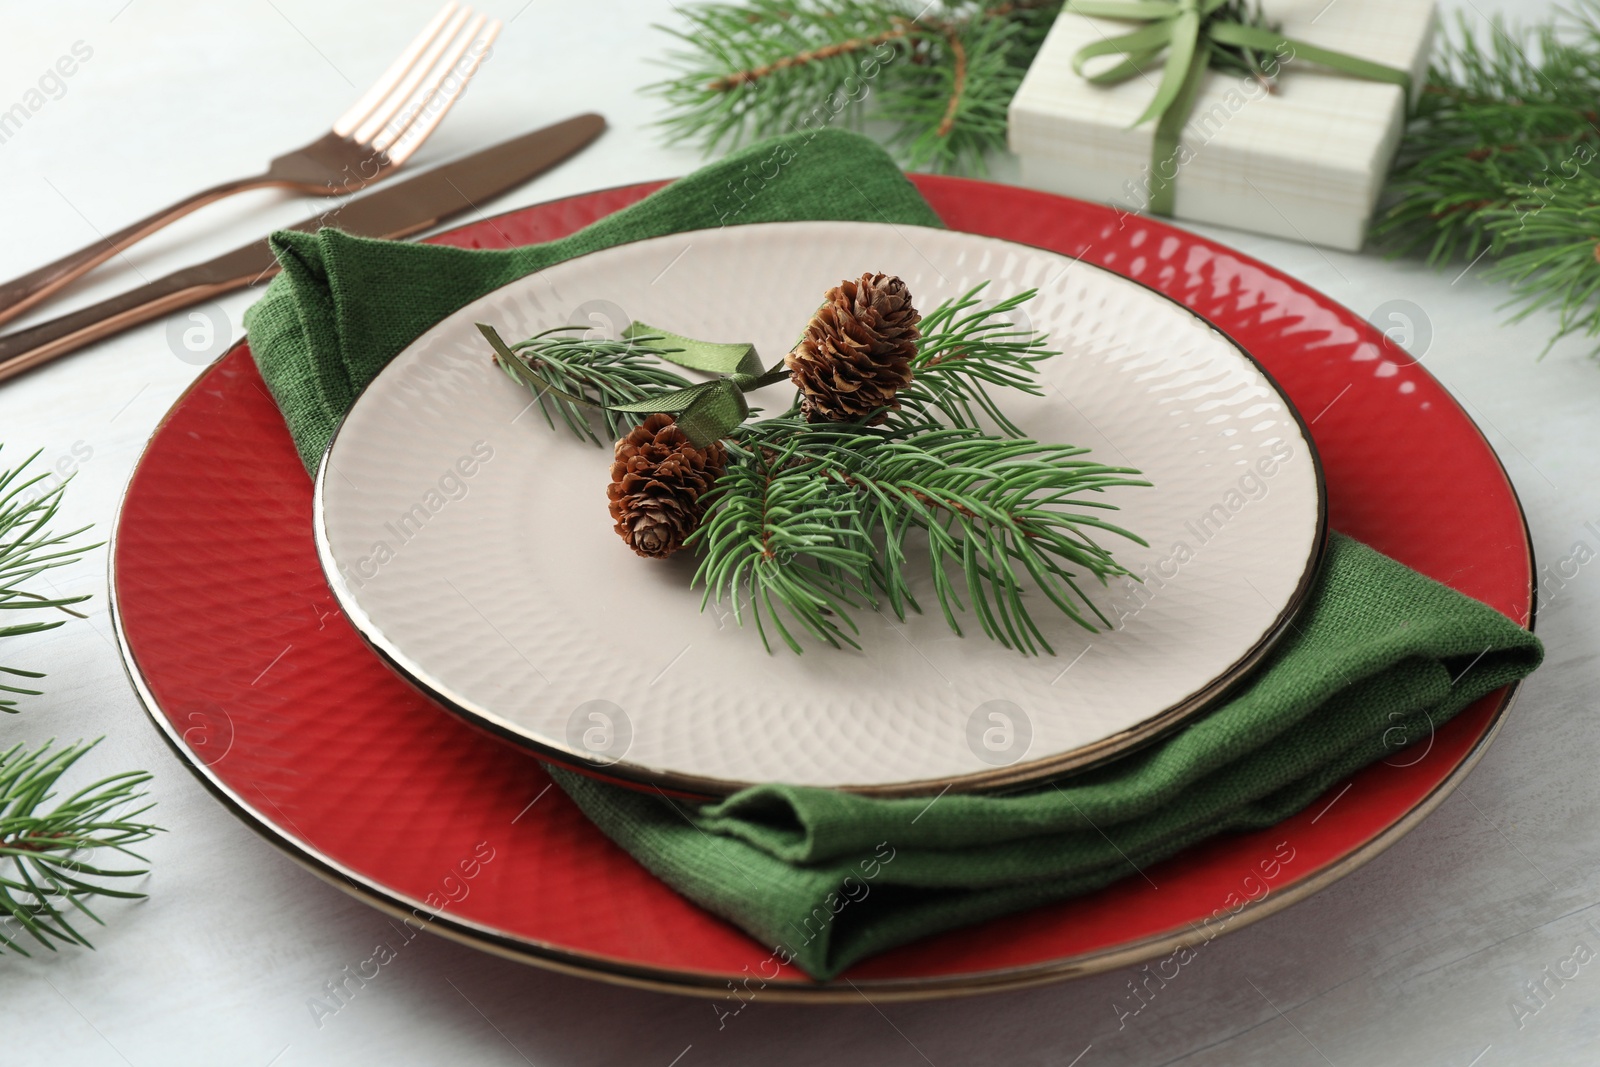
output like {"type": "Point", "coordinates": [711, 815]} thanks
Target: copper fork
{"type": "Point", "coordinates": [367, 143]}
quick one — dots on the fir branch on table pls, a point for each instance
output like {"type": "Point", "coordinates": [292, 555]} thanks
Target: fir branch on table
{"type": "Point", "coordinates": [815, 518]}
{"type": "Point", "coordinates": [44, 873]}
{"type": "Point", "coordinates": [940, 74]}
{"type": "Point", "coordinates": [1548, 240]}
{"type": "Point", "coordinates": [27, 550]}
{"type": "Point", "coordinates": [1499, 161]}
{"type": "Point", "coordinates": [44, 877]}
{"type": "Point", "coordinates": [949, 108]}
{"type": "Point", "coordinates": [764, 66]}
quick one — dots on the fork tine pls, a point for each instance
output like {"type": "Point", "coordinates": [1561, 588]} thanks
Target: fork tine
{"type": "Point", "coordinates": [437, 93]}
{"type": "Point", "coordinates": [432, 109]}
{"type": "Point", "coordinates": [397, 97]}
{"type": "Point", "coordinates": [397, 70]}
{"type": "Point", "coordinates": [428, 84]}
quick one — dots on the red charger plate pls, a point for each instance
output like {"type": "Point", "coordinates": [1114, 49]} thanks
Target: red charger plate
{"type": "Point", "coordinates": [234, 644]}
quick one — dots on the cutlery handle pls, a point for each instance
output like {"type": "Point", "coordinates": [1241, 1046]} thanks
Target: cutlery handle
{"type": "Point", "coordinates": [28, 348]}
{"type": "Point", "coordinates": [20, 294]}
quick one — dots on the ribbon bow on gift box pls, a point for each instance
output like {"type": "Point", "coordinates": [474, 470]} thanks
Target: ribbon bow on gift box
{"type": "Point", "coordinates": [1222, 33]}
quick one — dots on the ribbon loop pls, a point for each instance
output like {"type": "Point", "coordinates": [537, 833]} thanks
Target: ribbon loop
{"type": "Point", "coordinates": [1184, 42]}
{"type": "Point", "coordinates": [709, 356]}
{"type": "Point", "coordinates": [667, 403]}
{"type": "Point", "coordinates": [706, 411]}
{"type": "Point", "coordinates": [1148, 41]}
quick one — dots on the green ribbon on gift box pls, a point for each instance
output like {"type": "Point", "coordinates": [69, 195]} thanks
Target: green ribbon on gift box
{"type": "Point", "coordinates": [706, 411]}
{"type": "Point", "coordinates": [1196, 35]}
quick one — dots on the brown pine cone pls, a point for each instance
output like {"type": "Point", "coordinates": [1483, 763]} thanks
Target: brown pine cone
{"type": "Point", "coordinates": [657, 480]}
{"type": "Point", "coordinates": [856, 352]}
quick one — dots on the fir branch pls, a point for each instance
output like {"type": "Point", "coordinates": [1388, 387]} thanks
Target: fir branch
{"type": "Point", "coordinates": [810, 523]}
{"type": "Point", "coordinates": [1502, 160]}
{"type": "Point", "coordinates": [940, 74]}
{"type": "Point", "coordinates": [771, 66]}
{"type": "Point", "coordinates": [964, 352]}
{"type": "Point", "coordinates": [989, 507]}
{"type": "Point", "coordinates": [1549, 240]}
{"type": "Point", "coordinates": [898, 28]}
{"type": "Point", "coordinates": [44, 875]}
{"type": "Point", "coordinates": [1483, 124]}
{"type": "Point", "coordinates": [950, 109]}
{"type": "Point", "coordinates": [577, 378]}
{"type": "Point", "coordinates": [28, 550]}
{"type": "Point", "coordinates": [777, 535]}
{"type": "Point", "coordinates": [796, 521]}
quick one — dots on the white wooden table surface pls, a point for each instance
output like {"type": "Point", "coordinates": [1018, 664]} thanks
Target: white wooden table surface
{"type": "Point", "coordinates": [1419, 958]}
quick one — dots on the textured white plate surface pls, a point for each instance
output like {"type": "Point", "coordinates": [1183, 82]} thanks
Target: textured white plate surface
{"type": "Point", "coordinates": [471, 543]}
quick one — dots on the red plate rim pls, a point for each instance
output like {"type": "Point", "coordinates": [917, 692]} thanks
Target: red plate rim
{"type": "Point", "coordinates": [1477, 725]}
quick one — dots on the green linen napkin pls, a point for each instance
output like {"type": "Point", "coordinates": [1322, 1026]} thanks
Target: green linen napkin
{"type": "Point", "coordinates": [1381, 655]}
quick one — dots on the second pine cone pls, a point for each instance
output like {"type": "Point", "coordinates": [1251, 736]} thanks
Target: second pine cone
{"type": "Point", "coordinates": [856, 351]}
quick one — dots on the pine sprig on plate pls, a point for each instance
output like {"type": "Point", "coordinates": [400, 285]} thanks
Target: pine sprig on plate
{"type": "Point", "coordinates": [810, 522]}
{"type": "Point", "coordinates": [818, 520]}
{"type": "Point", "coordinates": [966, 349]}
{"type": "Point", "coordinates": [574, 377]}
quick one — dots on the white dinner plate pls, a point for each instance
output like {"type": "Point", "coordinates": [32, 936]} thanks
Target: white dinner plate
{"type": "Point", "coordinates": [470, 543]}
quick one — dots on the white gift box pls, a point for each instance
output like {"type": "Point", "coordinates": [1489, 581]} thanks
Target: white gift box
{"type": "Point", "coordinates": [1305, 162]}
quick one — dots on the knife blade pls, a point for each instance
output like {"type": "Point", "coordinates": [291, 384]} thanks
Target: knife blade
{"type": "Point", "coordinates": [398, 209]}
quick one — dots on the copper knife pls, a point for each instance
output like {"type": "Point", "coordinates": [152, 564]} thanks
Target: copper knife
{"type": "Point", "coordinates": [398, 209]}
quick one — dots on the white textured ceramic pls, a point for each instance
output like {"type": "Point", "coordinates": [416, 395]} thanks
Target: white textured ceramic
{"type": "Point", "coordinates": [471, 544]}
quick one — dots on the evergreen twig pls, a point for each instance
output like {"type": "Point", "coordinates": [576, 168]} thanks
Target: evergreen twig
{"type": "Point", "coordinates": [948, 108]}
{"type": "Point", "coordinates": [962, 353]}
{"type": "Point", "coordinates": [811, 523]}
{"type": "Point", "coordinates": [816, 519]}
{"type": "Point", "coordinates": [1502, 161]}
{"type": "Point", "coordinates": [27, 550]}
{"type": "Point", "coordinates": [940, 74]}
{"type": "Point", "coordinates": [45, 875]}
{"type": "Point", "coordinates": [576, 377]}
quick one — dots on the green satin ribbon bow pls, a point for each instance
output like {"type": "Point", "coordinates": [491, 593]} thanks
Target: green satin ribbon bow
{"type": "Point", "coordinates": [1214, 32]}
{"type": "Point", "coordinates": [706, 411]}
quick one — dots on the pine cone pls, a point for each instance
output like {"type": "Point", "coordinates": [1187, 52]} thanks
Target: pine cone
{"type": "Point", "coordinates": [657, 480]}
{"type": "Point", "coordinates": [856, 352]}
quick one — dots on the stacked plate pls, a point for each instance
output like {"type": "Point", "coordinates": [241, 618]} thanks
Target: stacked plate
{"type": "Point", "coordinates": [505, 599]}
{"type": "Point", "coordinates": [250, 607]}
